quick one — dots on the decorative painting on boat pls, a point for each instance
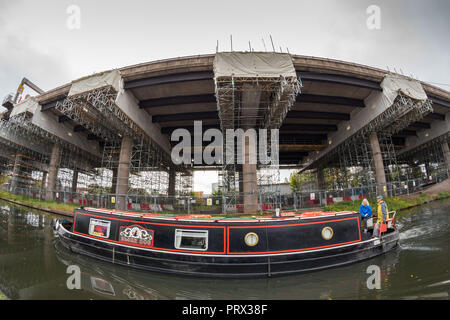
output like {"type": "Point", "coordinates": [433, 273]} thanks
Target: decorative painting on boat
{"type": "Point", "coordinates": [136, 234]}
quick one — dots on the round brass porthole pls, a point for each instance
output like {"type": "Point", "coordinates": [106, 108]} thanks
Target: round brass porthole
{"type": "Point", "coordinates": [251, 239]}
{"type": "Point", "coordinates": [327, 233]}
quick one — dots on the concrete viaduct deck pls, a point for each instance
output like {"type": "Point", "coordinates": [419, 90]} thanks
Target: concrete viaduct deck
{"type": "Point", "coordinates": [175, 92]}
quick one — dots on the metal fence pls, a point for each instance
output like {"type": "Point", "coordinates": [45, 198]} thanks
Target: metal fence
{"type": "Point", "coordinates": [213, 204]}
{"type": "Point", "coordinates": [320, 198]}
{"type": "Point", "coordinates": [134, 202]}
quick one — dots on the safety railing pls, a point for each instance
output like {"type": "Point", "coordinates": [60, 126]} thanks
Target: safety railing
{"type": "Point", "coordinates": [213, 204]}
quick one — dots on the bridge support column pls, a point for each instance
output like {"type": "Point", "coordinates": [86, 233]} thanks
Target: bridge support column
{"type": "Point", "coordinates": [123, 173]}
{"type": "Point", "coordinates": [172, 178]}
{"type": "Point", "coordinates": [15, 173]}
{"type": "Point", "coordinates": [380, 176]}
{"type": "Point", "coordinates": [74, 181]}
{"type": "Point", "coordinates": [250, 185]}
{"type": "Point", "coordinates": [44, 180]}
{"type": "Point", "coordinates": [320, 179]}
{"type": "Point", "coordinates": [53, 171]}
{"type": "Point", "coordinates": [240, 199]}
{"type": "Point", "coordinates": [446, 151]}
{"type": "Point", "coordinates": [114, 181]}
{"type": "Point", "coordinates": [427, 170]}
{"type": "Point", "coordinates": [43, 185]}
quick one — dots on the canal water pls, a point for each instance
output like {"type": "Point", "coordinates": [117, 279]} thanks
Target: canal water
{"type": "Point", "coordinates": [34, 266]}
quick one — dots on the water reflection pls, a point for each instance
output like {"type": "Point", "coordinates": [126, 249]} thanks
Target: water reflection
{"type": "Point", "coordinates": [122, 283]}
{"type": "Point", "coordinates": [33, 265]}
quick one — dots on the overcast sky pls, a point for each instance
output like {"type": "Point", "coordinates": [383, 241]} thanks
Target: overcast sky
{"type": "Point", "coordinates": [36, 42]}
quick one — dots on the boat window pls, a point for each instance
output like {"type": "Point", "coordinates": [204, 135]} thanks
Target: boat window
{"type": "Point", "coordinates": [251, 239]}
{"type": "Point", "coordinates": [99, 228]}
{"type": "Point", "coordinates": [102, 286]}
{"type": "Point", "coordinates": [191, 239]}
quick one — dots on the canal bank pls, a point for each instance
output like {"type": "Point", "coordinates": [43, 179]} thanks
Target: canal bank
{"type": "Point", "coordinates": [393, 203]}
{"type": "Point", "coordinates": [53, 207]}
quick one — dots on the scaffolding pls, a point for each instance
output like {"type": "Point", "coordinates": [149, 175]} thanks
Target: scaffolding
{"type": "Point", "coordinates": [89, 115]}
{"type": "Point", "coordinates": [258, 97]}
{"type": "Point", "coordinates": [23, 172]}
{"type": "Point", "coordinates": [76, 172]}
{"type": "Point", "coordinates": [353, 165]}
{"type": "Point", "coordinates": [183, 183]}
{"type": "Point", "coordinates": [430, 157]}
{"type": "Point", "coordinates": [12, 131]}
{"type": "Point", "coordinates": [403, 112]}
{"type": "Point", "coordinates": [5, 166]}
{"type": "Point", "coordinates": [355, 154]}
{"type": "Point", "coordinates": [97, 112]}
{"type": "Point", "coordinates": [72, 158]}
{"type": "Point", "coordinates": [27, 160]}
{"type": "Point", "coordinates": [268, 187]}
{"type": "Point", "coordinates": [148, 170]}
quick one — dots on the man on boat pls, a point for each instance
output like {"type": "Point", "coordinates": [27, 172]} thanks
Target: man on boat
{"type": "Point", "coordinates": [382, 215]}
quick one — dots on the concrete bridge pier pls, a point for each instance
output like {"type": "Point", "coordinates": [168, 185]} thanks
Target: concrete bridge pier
{"type": "Point", "coordinates": [172, 178]}
{"type": "Point", "coordinates": [53, 171]}
{"type": "Point", "coordinates": [114, 181]}
{"type": "Point", "coordinates": [74, 182]}
{"type": "Point", "coordinates": [320, 179]}
{"type": "Point", "coordinates": [251, 97]}
{"type": "Point", "coordinates": [123, 173]}
{"type": "Point", "coordinates": [380, 175]}
{"type": "Point", "coordinates": [427, 170]}
{"type": "Point", "coordinates": [15, 173]}
{"type": "Point", "coordinates": [240, 199]}
{"type": "Point", "coordinates": [44, 180]}
{"type": "Point", "coordinates": [446, 151]}
{"type": "Point", "coordinates": [250, 185]}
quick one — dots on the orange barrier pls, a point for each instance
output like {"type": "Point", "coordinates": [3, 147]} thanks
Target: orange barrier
{"type": "Point", "coordinates": [313, 214]}
{"type": "Point", "coordinates": [318, 214]}
{"type": "Point", "coordinates": [196, 216]}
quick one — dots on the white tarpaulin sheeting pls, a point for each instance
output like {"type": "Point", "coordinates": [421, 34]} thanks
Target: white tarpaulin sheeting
{"type": "Point", "coordinates": [29, 105]}
{"type": "Point", "coordinates": [392, 85]}
{"type": "Point", "coordinates": [253, 64]}
{"type": "Point", "coordinates": [97, 81]}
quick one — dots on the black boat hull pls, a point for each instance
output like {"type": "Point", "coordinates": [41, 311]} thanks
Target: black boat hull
{"type": "Point", "coordinates": [240, 264]}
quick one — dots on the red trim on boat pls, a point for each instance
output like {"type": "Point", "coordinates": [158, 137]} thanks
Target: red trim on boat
{"type": "Point", "coordinates": [226, 234]}
{"type": "Point", "coordinates": [291, 225]}
{"type": "Point", "coordinates": [150, 223]}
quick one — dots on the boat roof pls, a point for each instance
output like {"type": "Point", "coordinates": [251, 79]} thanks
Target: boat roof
{"type": "Point", "coordinates": [207, 218]}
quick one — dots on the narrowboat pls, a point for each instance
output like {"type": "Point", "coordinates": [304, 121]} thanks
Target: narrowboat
{"type": "Point", "coordinates": [226, 247]}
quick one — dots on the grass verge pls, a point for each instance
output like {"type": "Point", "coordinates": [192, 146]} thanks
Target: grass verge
{"type": "Point", "coordinates": [66, 208]}
{"type": "Point", "coordinates": [393, 203]}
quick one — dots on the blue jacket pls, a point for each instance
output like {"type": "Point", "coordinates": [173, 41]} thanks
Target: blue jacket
{"type": "Point", "coordinates": [366, 211]}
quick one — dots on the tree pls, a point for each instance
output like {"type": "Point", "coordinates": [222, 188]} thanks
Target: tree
{"type": "Point", "coordinates": [297, 180]}
{"type": "Point", "coordinates": [294, 182]}
{"type": "Point", "coordinates": [3, 179]}
{"type": "Point", "coordinates": [96, 189]}
{"type": "Point", "coordinates": [141, 192]}
{"type": "Point", "coordinates": [216, 193]}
